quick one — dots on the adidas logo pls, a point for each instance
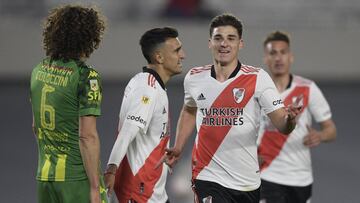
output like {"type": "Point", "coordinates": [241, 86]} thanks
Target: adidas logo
{"type": "Point", "coordinates": [201, 97]}
{"type": "Point", "coordinates": [164, 111]}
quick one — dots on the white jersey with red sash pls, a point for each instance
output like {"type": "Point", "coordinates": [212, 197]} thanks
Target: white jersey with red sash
{"type": "Point", "coordinates": [227, 121]}
{"type": "Point", "coordinates": [285, 158]}
{"type": "Point", "coordinates": [145, 104]}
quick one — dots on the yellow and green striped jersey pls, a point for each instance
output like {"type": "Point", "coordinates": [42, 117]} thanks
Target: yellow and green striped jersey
{"type": "Point", "coordinates": [61, 92]}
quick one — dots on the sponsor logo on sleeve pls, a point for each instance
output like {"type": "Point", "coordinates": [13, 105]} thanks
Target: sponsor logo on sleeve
{"type": "Point", "coordinates": [94, 96]}
{"type": "Point", "coordinates": [277, 102]}
{"type": "Point", "coordinates": [137, 119]}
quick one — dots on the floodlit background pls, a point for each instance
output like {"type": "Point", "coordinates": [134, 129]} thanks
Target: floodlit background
{"type": "Point", "coordinates": [325, 41]}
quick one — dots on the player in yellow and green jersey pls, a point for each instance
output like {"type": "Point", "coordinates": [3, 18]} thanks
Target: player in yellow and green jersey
{"type": "Point", "coordinates": [66, 96]}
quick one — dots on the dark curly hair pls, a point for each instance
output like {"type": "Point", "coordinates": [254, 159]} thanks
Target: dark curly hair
{"type": "Point", "coordinates": [72, 32]}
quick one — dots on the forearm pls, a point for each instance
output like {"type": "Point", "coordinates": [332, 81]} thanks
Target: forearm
{"type": "Point", "coordinates": [126, 135]}
{"type": "Point", "coordinates": [90, 153]}
{"type": "Point", "coordinates": [33, 126]}
{"type": "Point", "coordinates": [288, 125]}
{"type": "Point", "coordinates": [328, 131]}
{"type": "Point", "coordinates": [283, 121]}
{"type": "Point", "coordinates": [185, 126]}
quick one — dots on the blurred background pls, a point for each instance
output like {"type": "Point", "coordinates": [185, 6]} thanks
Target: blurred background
{"type": "Point", "coordinates": [325, 41]}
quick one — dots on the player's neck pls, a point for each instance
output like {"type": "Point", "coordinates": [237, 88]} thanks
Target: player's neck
{"type": "Point", "coordinates": [83, 57]}
{"type": "Point", "coordinates": [281, 81]}
{"type": "Point", "coordinates": [161, 72]}
{"type": "Point", "coordinates": [223, 71]}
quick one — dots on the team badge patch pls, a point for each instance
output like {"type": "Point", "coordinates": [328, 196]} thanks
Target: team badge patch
{"type": "Point", "coordinates": [94, 86]}
{"type": "Point", "coordinates": [298, 101]}
{"type": "Point", "coordinates": [239, 94]}
{"type": "Point", "coordinates": [145, 99]}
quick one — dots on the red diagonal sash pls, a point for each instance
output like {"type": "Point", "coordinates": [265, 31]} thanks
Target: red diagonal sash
{"type": "Point", "coordinates": [210, 137]}
{"type": "Point", "coordinates": [141, 186]}
{"type": "Point", "coordinates": [273, 141]}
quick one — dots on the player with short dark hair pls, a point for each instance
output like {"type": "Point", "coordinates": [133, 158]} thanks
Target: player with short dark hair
{"type": "Point", "coordinates": [144, 126]}
{"type": "Point", "coordinates": [286, 171]}
{"type": "Point", "coordinates": [223, 100]}
{"type": "Point", "coordinates": [66, 96]}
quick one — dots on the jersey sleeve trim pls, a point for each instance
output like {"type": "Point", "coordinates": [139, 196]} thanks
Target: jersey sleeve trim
{"type": "Point", "coordinates": [90, 112]}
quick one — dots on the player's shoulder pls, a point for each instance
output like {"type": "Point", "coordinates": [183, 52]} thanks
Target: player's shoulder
{"type": "Point", "coordinates": [87, 70]}
{"type": "Point", "coordinates": [143, 80]}
{"type": "Point", "coordinates": [248, 69]}
{"type": "Point", "coordinates": [302, 81]}
{"type": "Point", "coordinates": [38, 66]}
{"type": "Point", "coordinates": [199, 70]}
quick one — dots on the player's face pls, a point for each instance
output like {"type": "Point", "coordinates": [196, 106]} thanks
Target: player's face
{"type": "Point", "coordinates": [225, 44]}
{"type": "Point", "coordinates": [173, 55]}
{"type": "Point", "coordinates": [278, 57]}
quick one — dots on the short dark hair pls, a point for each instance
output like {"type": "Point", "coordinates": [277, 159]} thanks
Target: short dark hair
{"type": "Point", "coordinates": [72, 31]}
{"type": "Point", "coordinates": [226, 19]}
{"type": "Point", "coordinates": [277, 36]}
{"type": "Point", "coordinates": [152, 38]}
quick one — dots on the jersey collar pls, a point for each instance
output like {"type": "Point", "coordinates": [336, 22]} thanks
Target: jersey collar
{"type": "Point", "coordinates": [233, 74]}
{"type": "Point", "coordinates": [156, 75]}
{"type": "Point", "coordinates": [290, 81]}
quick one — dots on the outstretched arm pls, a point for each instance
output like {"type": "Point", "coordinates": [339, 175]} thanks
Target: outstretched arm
{"type": "Point", "coordinates": [184, 130]}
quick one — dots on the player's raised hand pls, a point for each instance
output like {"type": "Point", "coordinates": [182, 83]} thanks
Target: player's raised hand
{"type": "Point", "coordinates": [294, 108]}
{"type": "Point", "coordinates": [313, 138]}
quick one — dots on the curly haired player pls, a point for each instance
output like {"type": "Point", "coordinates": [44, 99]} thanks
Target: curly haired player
{"type": "Point", "coordinates": [66, 97]}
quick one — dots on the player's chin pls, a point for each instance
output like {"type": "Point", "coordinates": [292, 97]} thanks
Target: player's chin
{"type": "Point", "coordinates": [178, 70]}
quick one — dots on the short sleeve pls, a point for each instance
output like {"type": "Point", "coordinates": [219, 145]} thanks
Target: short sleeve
{"type": "Point", "coordinates": [140, 105]}
{"type": "Point", "coordinates": [90, 92]}
{"type": "Point", "coordinates": [268, 96]}
{"type": "Point", "coordinates": [318, 105]}
{"type": "Point", "coordinates": [188, 99]}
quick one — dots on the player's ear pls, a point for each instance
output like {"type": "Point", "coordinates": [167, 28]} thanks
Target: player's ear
{"type": "Point", "coordinates": [291, 58]}
{"type": "Point", "coordinates": [241, 44]}
{"type": "Point", "coordinates": [266, 57]}
{"type": "Point", "coordinates": [158, 57]}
